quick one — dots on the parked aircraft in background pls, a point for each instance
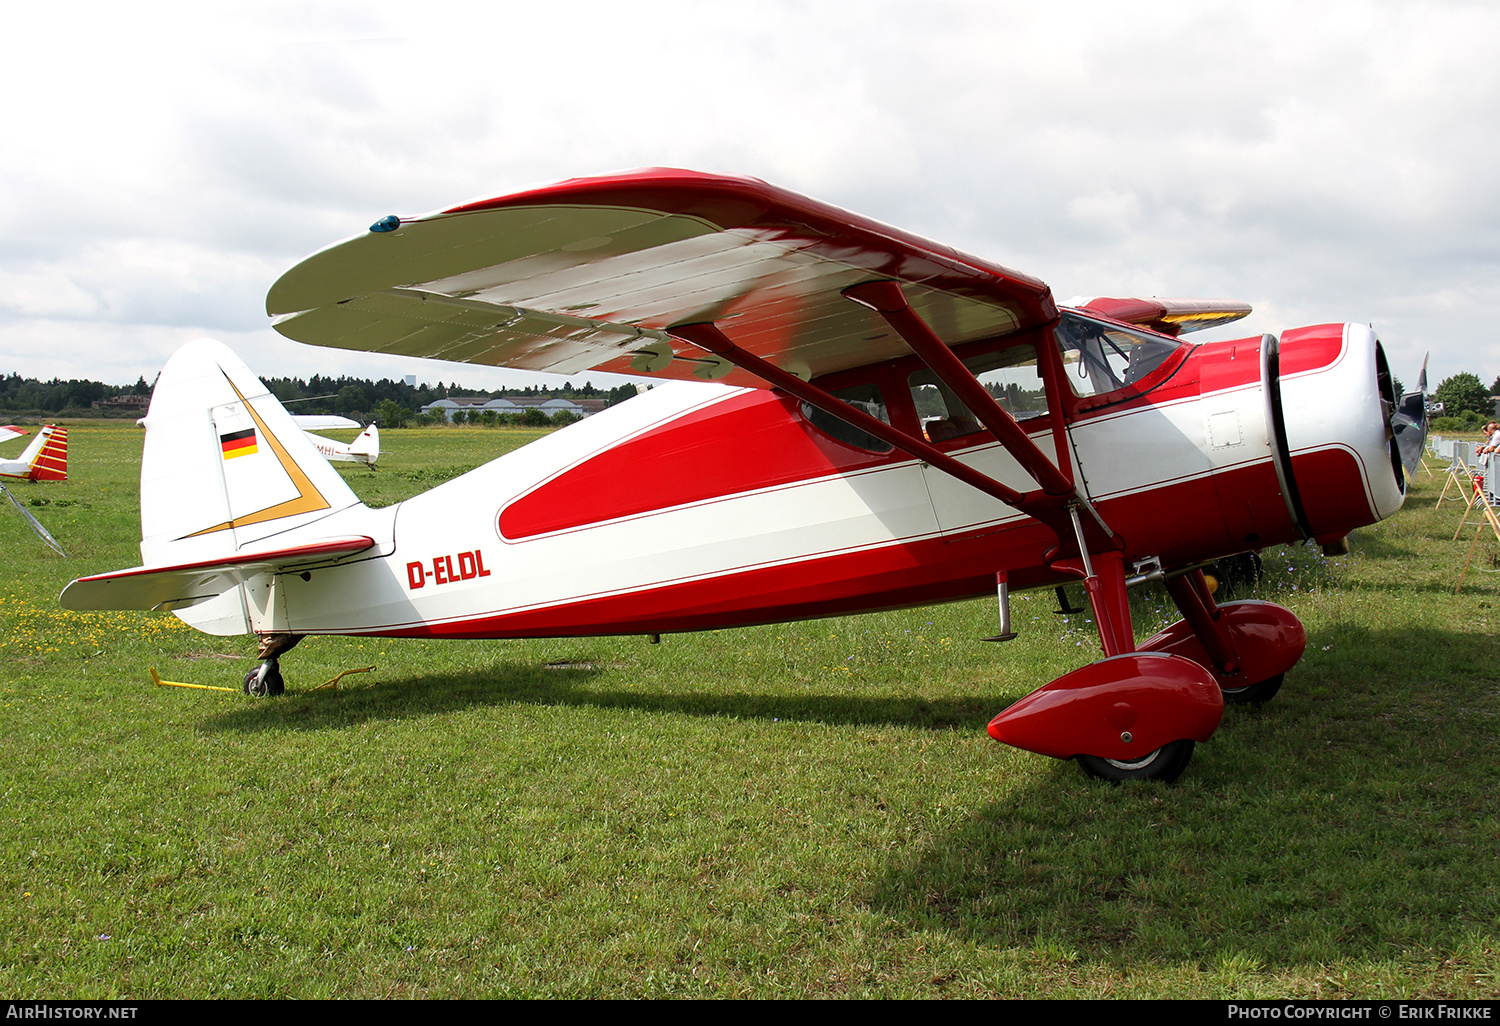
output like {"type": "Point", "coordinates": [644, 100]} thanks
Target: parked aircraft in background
{"type": "Point", "coordinates": [866, 420]}
{"type": "Point", "coordinates": [364, 449]}
{"type": "Point", "coordinates": [45, 459]}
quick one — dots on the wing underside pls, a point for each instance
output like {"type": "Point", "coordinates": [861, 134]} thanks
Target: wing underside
{"type": "Point", "coordinates": [588, 275]}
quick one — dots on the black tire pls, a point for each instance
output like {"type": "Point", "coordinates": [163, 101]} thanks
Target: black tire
{"type": "Point", "coordinates": [270, 685]}
{"type": "Point", "coordinates": [1165, 764]}
{"type": "Point", "coordinates": [1254, 694]}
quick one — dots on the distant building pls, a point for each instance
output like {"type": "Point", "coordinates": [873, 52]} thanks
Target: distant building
{"type": "Point", "coordinates": [516, 404]}
{"type": "Point", "coordinates": [124, 403]}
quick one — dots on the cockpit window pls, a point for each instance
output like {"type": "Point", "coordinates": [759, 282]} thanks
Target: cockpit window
{"type": "Point", "coordinates": [1010, 375]}
{"type": "Point", "coordinates": [1100, 358]}
{"type": "Point", "coordinates": [866, 399]}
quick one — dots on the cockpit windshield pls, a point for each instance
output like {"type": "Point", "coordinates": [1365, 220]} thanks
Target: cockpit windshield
{"type": "Point", "coordinates": [1100, 358]}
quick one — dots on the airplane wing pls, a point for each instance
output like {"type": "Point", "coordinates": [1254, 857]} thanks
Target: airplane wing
{"type": "Point", "coordinates": [187, 584]}
{"type": "Point", "coordinates": [588, 274]}
{"type": "Point", "coordinates": [323, 422]}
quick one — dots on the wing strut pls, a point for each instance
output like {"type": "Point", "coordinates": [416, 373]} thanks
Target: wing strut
{"type": "Point", "coordinates": [886, 299]}
{"type": "Point", "coordinates": [1050, 508]}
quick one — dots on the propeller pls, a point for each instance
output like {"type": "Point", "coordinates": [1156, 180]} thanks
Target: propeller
{"type": "Point", "coordinates": [1409, 423]}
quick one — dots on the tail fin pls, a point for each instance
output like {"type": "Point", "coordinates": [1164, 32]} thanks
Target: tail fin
{"type": "Point", "coordinates": [224, 466]}
{"type": "Point", "coordinates": [367, 445]}
{"type": "Point", "coordinates": [47, 455]}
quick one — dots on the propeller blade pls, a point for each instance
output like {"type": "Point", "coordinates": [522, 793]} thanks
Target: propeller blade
{"type": "Point", "coordinates": [1409, 423]}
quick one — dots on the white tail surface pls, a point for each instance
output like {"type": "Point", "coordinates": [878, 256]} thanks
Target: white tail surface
{"type": "Point", "coordinates": [364, 449]}
{"type": "Point", "coordinates": [367, 445]}
{"type": "Point", "coordinates": [224, 466]}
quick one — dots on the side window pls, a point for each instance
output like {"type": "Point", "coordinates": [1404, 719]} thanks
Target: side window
{"type": "Point", "coordinates": [1010, 375]}
{"type": "Point", "coordinates": [1099, 358]}
{"type": "Point", "coordinates": [866, 399]}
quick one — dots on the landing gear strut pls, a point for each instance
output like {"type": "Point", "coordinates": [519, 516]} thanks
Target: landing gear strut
{"type": "Point", "coordinates": [265, 681]}
{"type": "Point", "coordinates": [1133, 715]}
{"type": "Point", "coordinates": [1248, 646]}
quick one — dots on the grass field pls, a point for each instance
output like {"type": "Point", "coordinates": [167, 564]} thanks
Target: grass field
{"type": "Point", "coordinates": [799, 810]}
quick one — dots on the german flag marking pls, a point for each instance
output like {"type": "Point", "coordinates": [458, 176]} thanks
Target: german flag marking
{"type": "Point", "coordinates": [308, 500]}
{"type": "Point", "coordinates": [238, 443]}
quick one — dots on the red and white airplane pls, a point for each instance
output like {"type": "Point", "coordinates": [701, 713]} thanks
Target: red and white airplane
{"type": "Point", "coordinates": [865, 420]}
{"type": "Point", "coordinates": [45, 459]}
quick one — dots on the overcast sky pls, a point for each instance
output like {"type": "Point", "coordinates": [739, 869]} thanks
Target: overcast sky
{"type": "Point", "coordinates": [161, 164]}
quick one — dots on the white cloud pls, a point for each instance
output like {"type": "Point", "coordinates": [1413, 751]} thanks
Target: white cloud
{"type": "Point", "coordinates": [1326, 162]}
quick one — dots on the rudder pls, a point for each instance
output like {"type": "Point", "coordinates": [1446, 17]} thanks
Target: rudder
{"type": "Point", "coordinates": [367, 445]}
{"type": "Point", "coordinates": [47, 455]}
{"type": "Point", "coordinates": [224, 465]}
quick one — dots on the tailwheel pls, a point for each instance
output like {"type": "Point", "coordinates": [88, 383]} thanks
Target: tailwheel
{"type": "Point", "coordinates": [265, 680]}
{"type": "Point", "coordinates": [1254, 694]}
{"type": "Point", "coordinates": [1165, 764]}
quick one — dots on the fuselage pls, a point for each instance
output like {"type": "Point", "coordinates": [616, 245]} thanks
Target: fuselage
{"type": "Point", "coordinates": [694, 507]}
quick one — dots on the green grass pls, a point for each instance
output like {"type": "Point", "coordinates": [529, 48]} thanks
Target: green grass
{"type": "Point", "coordinates": [797, 810]}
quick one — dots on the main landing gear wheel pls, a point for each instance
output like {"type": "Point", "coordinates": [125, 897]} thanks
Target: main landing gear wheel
{"type": "Point", "coordinates": [1165, 764]}
{"type": "Point", "coordinates": [1254, 694]}
{"type": "Point", "coordinates": [265, 680]}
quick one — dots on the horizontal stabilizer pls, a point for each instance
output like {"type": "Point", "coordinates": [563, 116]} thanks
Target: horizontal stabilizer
{"type": "Point", "coordinates": [10, 431]}
{"type": "Point", "coordinates": [1168, 316]}
{"type": "Point", "coordinates": [177, 587]}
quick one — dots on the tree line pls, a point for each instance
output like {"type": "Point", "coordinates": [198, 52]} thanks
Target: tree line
{"type": "Point", "coordinates": [74, 396]}
{"type": "Point", "coordinates": [358, 398]}
{"type": "Point", "coordinates": [1467, 404]}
